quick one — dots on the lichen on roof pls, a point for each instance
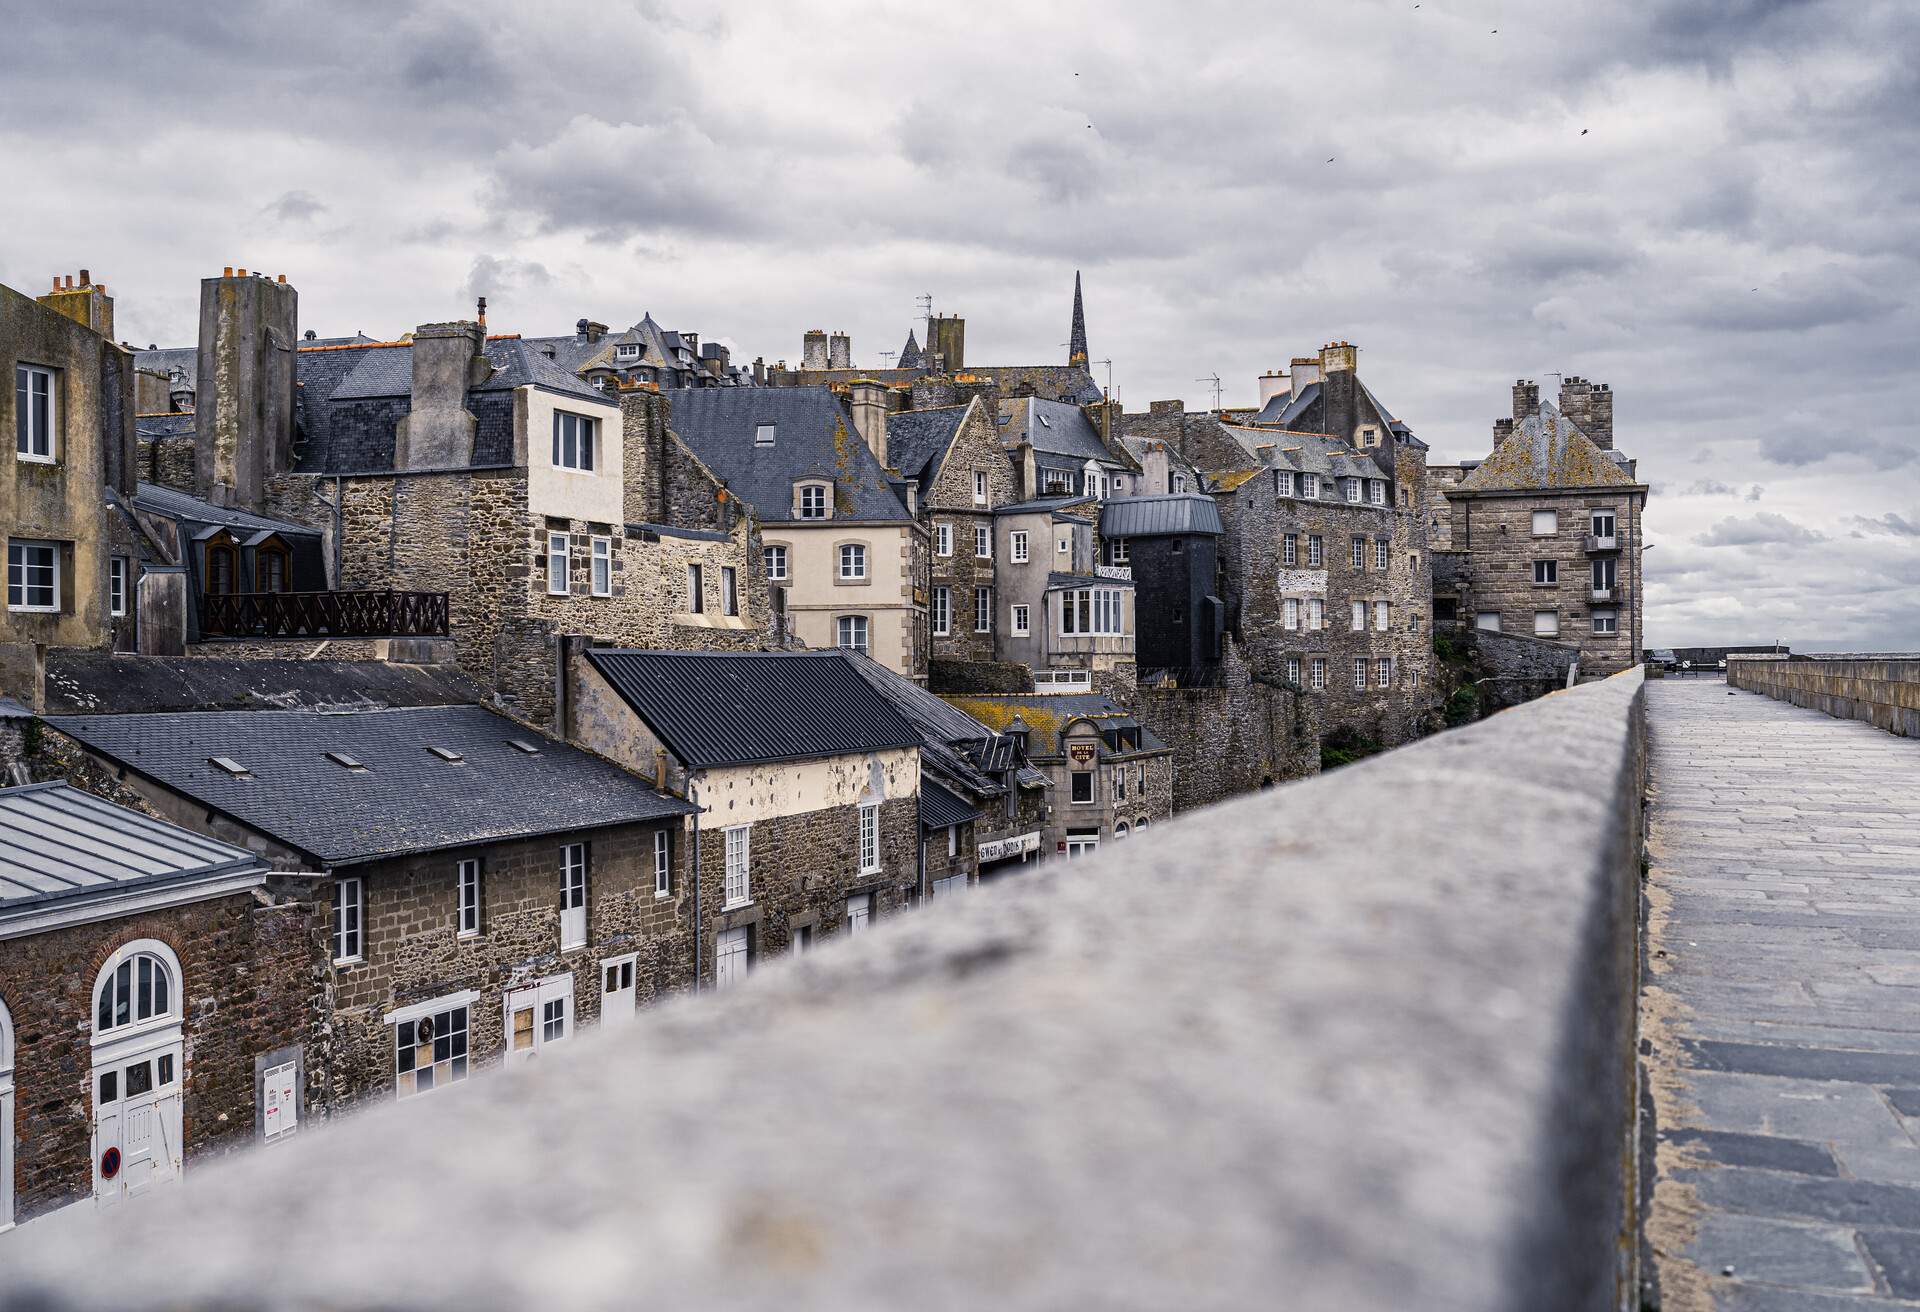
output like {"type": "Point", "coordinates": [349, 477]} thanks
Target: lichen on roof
{"type": "Point", "coordinates": [1545, 450]}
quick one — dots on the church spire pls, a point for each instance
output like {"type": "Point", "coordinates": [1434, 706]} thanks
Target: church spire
{"type": "Point", "coordinates": [1077, 342]}
{"type": "Point", "coordinates": [910, 354]}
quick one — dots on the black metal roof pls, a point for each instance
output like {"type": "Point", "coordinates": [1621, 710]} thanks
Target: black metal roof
{"type": "Point", "coordinates": [81, 682]}
{"type": "Point", "coordinates": [1168, 514]}
{"type": "Point", "coordinates": [173, 504]}
{"type": "Point", "coordinates": [739, 708]}
{"type": "Point", "coordinates": [58, 843]}
{"type": "Point", "coordinates": [940, 808]}
{"type": "Point", "coordinates": [406, 799]}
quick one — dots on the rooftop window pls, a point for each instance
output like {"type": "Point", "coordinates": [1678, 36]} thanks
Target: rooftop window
{"type": "Point", "coordinates": [763, 434]}
{"type": "Point", "coordinates": [346, 762]}
{"type": "Point", "coordinates": [446, 754]}
{"type": "Point", "coordinates": [522, 745]}
{"type": "Point", "coordinates": [231, 766]}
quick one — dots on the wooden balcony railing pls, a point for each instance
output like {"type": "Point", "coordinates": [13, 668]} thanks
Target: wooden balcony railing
{"type": "Point", "coordinates": [368, 614]}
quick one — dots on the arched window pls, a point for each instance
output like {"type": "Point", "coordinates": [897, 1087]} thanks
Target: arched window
{"type": "Point", "coordinates": [139, 984]}
{"type": "Point", "coordinates": [272, 566]}
{"type": "Point", "coordinates": [221, 561]}
{"type": "Point", "coordinates": [1140, 824]}
{"type": "Point", "coordinates": [1120, 830]}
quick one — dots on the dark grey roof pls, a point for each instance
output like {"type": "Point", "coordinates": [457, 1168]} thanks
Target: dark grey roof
{"type": "Point", "coordinates": [377, 371]}
{"type": "Point", "coordinates": [939, 808]}
{"type": "Point", "coordinates": [356, 339]}
{"type": "Point", "coordinates": [1055, 582]}
{"type": "Point", "coordinates": [184, 358]}
{"type": "Point", "coordinates": [910, 357]}
{"type": "Point", "coordinates": [178, 505]}
{"type": "Point", "coordinates": [58, 843]}
{"type": "Point", "coordinates": [1288, 406]}
{"type": "Point", "coordinates": [105, 683]}
{"type": "Point", "coordinates": [1160, 515]}
{"type": "Point", "coordinates": [737, 708]}
{"type": "Point", "coordinates": [938, 720]}
{"type": "Point", "coordinates": [164, 426]}
{"type": "Point", "coordinates": [1047, 714]}
{"type": "Point", "coordinates": [407, 799]}
{"type": "Point", "coordinates": [813, 438]}
{"type": "Point", "coordinates": [917, 440]}
{"type": "Point", "coordinates": [516, 364]}
{"type": "Point", "coordinates": [1040, 505]}
{"type": "Point", "coordinates": [1056, 428]}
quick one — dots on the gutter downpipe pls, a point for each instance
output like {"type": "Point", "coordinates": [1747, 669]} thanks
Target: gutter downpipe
{"type": "Point", "coordinates": [699, 927]}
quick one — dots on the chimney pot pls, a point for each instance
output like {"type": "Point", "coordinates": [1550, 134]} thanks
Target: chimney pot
{"type": "Point", "coordinates": [283, 277]}
{"type": "Point", "coordinates": [86, 278]}
{"type": "Point", "coordinates": [227, 272]}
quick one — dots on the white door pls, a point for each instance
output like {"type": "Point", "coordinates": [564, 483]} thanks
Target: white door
{"type": "Point", "coordinates": [136, 1121]}
{"type": "Point", "coordinates": [1082, 844]}
{"type": "Point", "coordinates": [617, 992]}
{"type": "Point", "coordinates": [859, 912]}
{"type": "Point", "coordinates": [537, 1015]}
{"type": "Point", "coordinates": [730, 957]}
{"type": "Point", "coordinates": [951, 884]}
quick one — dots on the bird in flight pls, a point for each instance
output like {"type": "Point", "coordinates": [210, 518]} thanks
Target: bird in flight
{"type": "Point", "coordinates": [1331, 158]}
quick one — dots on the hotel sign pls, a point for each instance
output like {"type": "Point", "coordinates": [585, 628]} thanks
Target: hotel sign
{"type": "Point", "coordinates": [1001, 848]}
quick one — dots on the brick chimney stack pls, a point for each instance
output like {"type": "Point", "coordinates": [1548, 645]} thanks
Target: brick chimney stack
{"type": "Point", "coordinates": [1590, 407]}
{"type": "Point", "coordinates": [1526, 398]}
{"type": "Point", "coordinates": [243, 438]}
{"type": "Point", "coordinates": [85, 304]}
{"type": "Point", "coordinates": [813, 349]}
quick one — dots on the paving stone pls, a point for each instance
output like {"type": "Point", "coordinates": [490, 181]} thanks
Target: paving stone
{"type": "Point", "coordinates": [1905, 1101]}
{"type": "Point", "coordinates": [1737, 1297]}
{"type": "Point", "coordinates": [1805, 1063]}
{"type": "Point", "coordinates": [1765, 1151]}
{"type": "Point", "coordinates": [1897, 1254]}
{"type": "Point", "coordinates": [1782, 1252]}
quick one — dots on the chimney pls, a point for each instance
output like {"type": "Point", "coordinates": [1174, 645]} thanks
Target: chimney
{"type": "Point", "coordinates": [448, 358]}
{"type": "Point", "coordinates": [243, 436]}
{"type": "Point", "coordinates": [1502, 430]}
{"type": "Point", "coordinates": [1339, 390]}
{"type": "Point", "coordinates": [1590, 407]}
{"type": "Point", "coordinates": [947, 337]}
{"type": "Point", "coordinates": [1304, 372]}
{"type": "Point", "coordinates": [1526, 398]}
{"type": "Point", "coordinates": [813, 349]}
{"type": "Point", "coordinates": [85, 304]}
{"type": "Point", "coordinates": [1272, 383]}
{"type": "Point", "coordinates": [871, 403]}
{"type": "Point", "coordinates": [840, 352]}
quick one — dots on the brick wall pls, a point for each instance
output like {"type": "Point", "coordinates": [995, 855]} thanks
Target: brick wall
{"type": "Point", "coordinates": [414, 952]}
{"type": "Point", "coordinates": [249, 987]}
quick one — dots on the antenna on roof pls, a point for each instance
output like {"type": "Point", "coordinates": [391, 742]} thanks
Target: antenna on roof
{"type": "Point", "coordinates": [1214, 380]}
{"type": "Point", "coordinates": [925, 301]}
{"type": "Point", "coordinates": [1109, 365]}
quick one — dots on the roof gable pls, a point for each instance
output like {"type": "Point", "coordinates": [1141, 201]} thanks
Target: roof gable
{"type": "Point", "coordinates": [1545, 450]}
{"type": "Point", "coordinates": [813, 439]}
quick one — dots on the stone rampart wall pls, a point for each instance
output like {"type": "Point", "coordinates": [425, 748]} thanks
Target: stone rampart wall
{"type": "Point", "coordinates": [1882, 690]}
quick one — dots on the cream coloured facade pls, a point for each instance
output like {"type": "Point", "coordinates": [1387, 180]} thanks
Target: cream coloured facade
{"type": "Point", "coordinates": [876, 586]}
{"type": "Point", "coordinates": [598, 494]}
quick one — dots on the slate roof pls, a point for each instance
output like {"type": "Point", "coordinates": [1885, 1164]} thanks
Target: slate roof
{"type": "Point", "coordinates": [741, 708]}
{"type": "Point", "coordinates": [1311, 453]}
{"type": "Point", "coordinates": [407, 799]}
{"type": "Point", "coordinates": [1160, 515]}
{"type": "Point", "coordinates": [164, 426]}
{"type": "Point", "coordinates": [1545, 450]}
{"type": "Point", "coordinates": [910, 357]}
{"type": "Point", "coordinates": [1287, 407]}
{"type": "Point", "coordinates": [939, 807]}
{"type": "Point", "coordinates": [1055, 582]}
{"type": "Point", "coordinates": [1040, 505]}
{"type": "Point", "coordinates": [387, 371]}
{"type": "Point", "coordinates": [167, 358]}
{"type": "Point", "coordinates": [814, 438]}
{"type": "Point", "coordinates": [178, 505]}
{"type": "Point", "coordinates": [953, 743]}
{"type": "Point", "coordinates": [1046, 715]}
{"type": "Point", "coordinates": [58, 844]}
{"type": "Point", "coordinates": [917, 440]}
{"type": "Point", "coordinates": [81, 682]}
{"type": "Point", "coordinates": [1054, 427]}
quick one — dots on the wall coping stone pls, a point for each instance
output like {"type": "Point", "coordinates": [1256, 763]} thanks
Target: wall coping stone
{"type": "Point", "coordinates": [1329, 1047]}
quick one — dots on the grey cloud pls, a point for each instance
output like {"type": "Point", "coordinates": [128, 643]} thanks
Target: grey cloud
{"type": "Point", "coordinates": [1759, 530]}
{"type": "Point", "coordinates": [1799, 446]}
{"type": "Point", "coordinates": [1890, 523]}
{"type": "Point", "coordinates": [1709, 487]}
{"type": "Point", "coordinates": [501, 280]}
{"type": "Point", "coordinates": [1755, 492]}
{"type": "Point", "coordinates": [294, 207]}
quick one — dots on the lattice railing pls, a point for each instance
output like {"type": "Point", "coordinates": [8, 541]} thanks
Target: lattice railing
{"type": "Point", "coordinates": [360, 614]}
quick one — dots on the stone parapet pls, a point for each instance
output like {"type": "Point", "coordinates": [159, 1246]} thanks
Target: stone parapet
{"type": "Point", "coordinates": [1883, 690]}
{"type": "Point", "coordinates": [1298, 1052]}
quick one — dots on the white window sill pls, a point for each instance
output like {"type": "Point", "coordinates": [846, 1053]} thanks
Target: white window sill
{"type": "Point", "coordinates": [735, 906]}
{"type": "Point", "coordinates": [34, 610]}
{"type": "Point", "coordinates": [26, 459]}
{"type": "Point", "coordinates": [660, 894]}
{"type": "Point", "coordinates": [349, 961]}
{"type": "Point", "coordinates": [468, 933]}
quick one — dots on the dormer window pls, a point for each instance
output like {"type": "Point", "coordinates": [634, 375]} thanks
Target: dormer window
{"type": "Point", "coordinates": [1310, 486]}
{"type": "Point", "coordinates": [813, 500]}
{"type": "Point", "coordinates": [222, 573]}
{"type": "Point", "coordinates": [627, 351]}
{"type": "Point", "coordinates": [272, 566]}
{"type": "Point", "coordinates": [1353, 490]}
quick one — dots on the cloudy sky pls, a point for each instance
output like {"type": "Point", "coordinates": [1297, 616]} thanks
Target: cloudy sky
{"type": "Point", "coordinates": [1708, 204]}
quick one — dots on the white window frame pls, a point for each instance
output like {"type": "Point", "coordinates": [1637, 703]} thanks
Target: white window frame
{"type": "Point", "coordinates": [764, 434]}
{"type": "Point", "coordinates": [1376, 492]}
{"type": "Point", "coordinates": [1550, 518]}
{"type": "Point", "coordinates": [1290, 550]}
{"type": "Point", "coordinates": [1612, 521]}
{"type": "Point", "coordinates": [770, 554]}
{"type": "Point", "coordinates": [1605, 568]}
{"type": "Point", "coordinates": [600, 573]}
{"type": "Point", "coordinates": [983, 610]}
{"type": "Point", "coordinates": [117, 575]}
{"type": "Point", "coordinates": [348, 938]}
{"type": "Point", "coordinates": [813, 501]}
{"type": "Point", "coordinates": [979, 487]}
{"type": "Point", "coordinates": [18, 550]}
{"type": "Point", "coordinates": [1380, 554]}
{"type": "Point", "coordinates": [845, 626]}
{"type": "Point", "coordinates": [729, 591]}
{"type": "Point", "coordinates": [1360, 553]}
{"type": "Point", "coordinates": [870, 838]}
{"type": "Point", "coordinates": [1481, 621]}
{"type": "Point", "coordinates": [1118, 552]}
{"type": "Point", "coordinates": [943, 539]}
{"type": "Point", "coordinates": [853, 554]}
{"type": "Point", "coordinates": [466, 901]}
{"type": "Point", "coordinates": [25, 440]}
{"type": "Point", "coordinates": [737, 882]}
{"type": "Point", "coordinates": [696, 590]}
{"type": "Point", "coordinates": [662, 863]}
{"type": "Point", "coordinates": [1359, 673]}
{"type": "Point", "coordinates": [1316, 614]}
{"type": "Point", "coordinates": [574, 876]}
{"type": "Point", "coordinates": [1022, 621]}
{"type": "Point", "coordinates": [982, 543]}
{"type": "Point", "coordinates": [1382, 616]}
{"type": "Point", "coordinates": [459, 1065]}
{"type": "Point", "coordinates": [560, 554]}
{"type": "Point", "coordinates": [942, 607]}
{"type": "Point", "coordinates": [1318, 670]}
{"type": "Point", "coordinates": [1354, 491]}
{"type": "Point", "coordinates": [1293, 670]}
{"type": "Point", "coordinates": [1310, 486]}
{"type": "Point", "coordinates": [1093, 788]}
{"type": "Point", "coordinates": [1606, 621]}
{"type": "Point", "coordinates": [1546, 571]}
{"type": "Point", "coordinates": [584, 438]}
{"type": "Point", "coordinates": [1017, 546]}
{"type": "Point", "coordinates": [1290, 613]}
{"type": "Point", "coordinates": [1357, 616]}
{"type": "Point", "coordinates": [1383, 671]}
{"type": "Point", "coordinates": [1316, 551]}
{"type": "Point", "coordinates": [1546, 624]}
{"type": "Point", "coordinates": [1105, 613]}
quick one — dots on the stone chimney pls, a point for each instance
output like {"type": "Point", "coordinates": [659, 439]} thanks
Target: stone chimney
{"type": "Point", "coordinates": [448, 358]}
{"type": "Point", "coordinates": [1339, 389]}
{"type": "Point", "coordinates": [588, 329]}
{"type": "Point", "coordinates": [243, 434]}
{"type": "Point", "coordinates": [1304, 371]}
{"type": "Point", "coordinates": [84, 303]}
{"type": "Point", "coordinates": [813, 349]}
{"type": "Point", "coordinates": [947, 338]}
{"type": "Point", "coordinates": [871, 403]}
{"type": "Point", "coordinates": [1272, 384]}
{"type": "Point", "coordinates": [1502, 430]}
{"type": "Point", "coordinates": [1590, 407]}
{"type": "Point", "coordinates": [840, 351]}
{"type": "Point", "coordinates": [1526, 398]}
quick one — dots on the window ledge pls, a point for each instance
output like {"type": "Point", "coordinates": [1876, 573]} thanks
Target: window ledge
{"type": "Point", "coordinates": [735, 906]}
{"type": "Point", "coordinates": [662, 894]}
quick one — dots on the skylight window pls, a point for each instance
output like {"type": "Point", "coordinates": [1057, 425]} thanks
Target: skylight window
{"type": "Point", "coordinates": [763, 434]}
{"type": "Point", "coordinates": [446, 754]}
{"type": "Point", "coordinates": [346, 762]}
{"type": "Point", "coordinates": [522, 745]}
{"type": "Point", "coordinates": [231, 766]}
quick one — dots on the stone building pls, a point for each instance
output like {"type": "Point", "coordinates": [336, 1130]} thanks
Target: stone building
{"type": "Point", "coordinates": [959, 473]}
{"type": "Point", "coordinates": [1550, 524]}
{"type": "Point", "coordinates": [1110, 775]}
{"type": "Point", "coordinates": [156, 1000]}
{"type": "Point", "coordinates": [982, 804]}
{"type": "Point", "coordinates": [645, 353]}
{"type": "Point", "coordinates": [838, 538]}
{"type": "Point", "coordinates": [485, 889]}
{"type": "Point", "coordinates": [1065, 450]}
{"type": "Point", "coordinates": [807, 784]}
{"type": "Point", "coordinates": [1063, 614]}
{"type": "Point", "coordinates": [68, 413]}
{"type": "Point", "coordinates": [1170, 545]}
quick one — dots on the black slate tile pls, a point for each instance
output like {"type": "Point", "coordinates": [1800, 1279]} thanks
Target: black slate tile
{"type": "Point", "coordinates": [1777, 1193]}
{"type": "Point", "coordinates": [1762, 1151]}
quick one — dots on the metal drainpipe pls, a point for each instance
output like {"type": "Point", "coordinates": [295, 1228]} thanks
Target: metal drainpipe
{"type": "Point", "coordinates": [339, 527]}
{"type": "Point", "coordinates": [699, 929]}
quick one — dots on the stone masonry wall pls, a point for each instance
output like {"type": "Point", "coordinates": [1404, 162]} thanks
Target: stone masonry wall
{"type": "Point", "coordinates": [414, 953]}
{"type": "Point", "coordinates": [949, 501]}
{"type": "Point", "coordinates": [250, 987]}
{"type": "Point", "coordinates": [1236, 737]}
{"type": "Point", "coordinates": [802, 870]}
{"type": "Point", "coordinates": [1882, 690]}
